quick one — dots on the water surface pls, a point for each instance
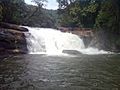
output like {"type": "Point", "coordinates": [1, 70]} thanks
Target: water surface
{"type": "Point", "coordinates": [41, 72]}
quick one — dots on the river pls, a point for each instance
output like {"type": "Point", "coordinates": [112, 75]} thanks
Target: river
{"type": "Point", "coordinates": [59, 61]}
{"type": "Point", "coordinates": [43, 72]}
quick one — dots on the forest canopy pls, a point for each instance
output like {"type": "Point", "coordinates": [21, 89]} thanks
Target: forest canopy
{"type": "Point", "coordinates": [89, 13]}
{"type": "Point", "coordinates": [18, 12]}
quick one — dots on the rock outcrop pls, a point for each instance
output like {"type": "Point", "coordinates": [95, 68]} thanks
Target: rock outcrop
{"type": "Point", "coordinates": [13, 26]}
{"type": "Point", "coordinates": [103, 41]}
{"type": "Point", "coordinates": [12, 39]}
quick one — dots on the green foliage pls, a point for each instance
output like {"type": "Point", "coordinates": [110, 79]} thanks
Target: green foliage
{"type": "Point", "coordinates": [108, 20]}
{"type": "Point", "coordinates": [79, 13]}
{"type": "Point", "coordinates": [40, 17]}
{"type": "Point", "coordinates": [108, 17]}
{"type": "Point", "coordinates": [17, 12]}
{"type": "Point", "coordinates": [11, 10]}
{"type": "Point", "coordinates": [71, 16]}
{"type": "Point", "coordinates": [53, 17]}
{"type": "Point", "coordinates": [92, 8]}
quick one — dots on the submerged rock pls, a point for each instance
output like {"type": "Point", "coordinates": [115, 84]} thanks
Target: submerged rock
{"type": "Point", "coordinates": [72, 52]}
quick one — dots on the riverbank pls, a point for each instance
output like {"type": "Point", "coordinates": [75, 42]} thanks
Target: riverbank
{"type": "Point", "coordinates": [12, 39]}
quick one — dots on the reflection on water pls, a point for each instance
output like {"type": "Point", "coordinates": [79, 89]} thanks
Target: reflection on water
{"type": "Point", "coordinates": [40, 72]}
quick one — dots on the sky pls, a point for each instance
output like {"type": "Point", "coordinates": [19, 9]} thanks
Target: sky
{"type": "Point", "coordinates": [51, 4]}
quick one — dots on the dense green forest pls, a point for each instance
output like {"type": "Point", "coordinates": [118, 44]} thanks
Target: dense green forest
{"type": "Point", "coordinates": [89, 13]}
{"type": "Point", "coordinates": [18, 12]}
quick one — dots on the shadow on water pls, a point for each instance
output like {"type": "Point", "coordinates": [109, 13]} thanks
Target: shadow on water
{"type": "Point", "coordinates": [41, 72]}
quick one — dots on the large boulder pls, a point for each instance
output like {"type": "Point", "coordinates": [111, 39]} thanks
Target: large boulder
{"type": "Point", "coordinates": [13, 26]}
{"type": "Point", "coordinates": [12, 41]}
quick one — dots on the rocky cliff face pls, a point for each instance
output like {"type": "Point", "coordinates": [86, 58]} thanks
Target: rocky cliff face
{"type": "Point", "coordinates": [103, 40]}
{"type": "Point", "coordinates": [12, 39]}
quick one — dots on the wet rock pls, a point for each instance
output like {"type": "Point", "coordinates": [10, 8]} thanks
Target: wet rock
{"type": "Point", "coordinates": [72, 52]}
{"type": "Point", "coordinates": [12, 41]}
{"type": "Point", "coordinates": [86, 40]}
{"type": "Point", "coordinates": [104, 41]}
{"type": "Point", "coordinates": [13, 26]}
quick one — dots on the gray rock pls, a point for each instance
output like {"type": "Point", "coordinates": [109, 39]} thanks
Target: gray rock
{"type": "Point", "coordinates": [72, 52]}
{"type": "Point", "coordinates": [12, 41]}
{"type": "Point", "coordinates": [13, 26]}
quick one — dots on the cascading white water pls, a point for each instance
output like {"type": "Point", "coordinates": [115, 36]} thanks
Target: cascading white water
{"type": "Point", "coordinates": [53, 42]}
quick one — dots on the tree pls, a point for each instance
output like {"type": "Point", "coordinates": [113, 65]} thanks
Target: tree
{"type": "Point", "coordinates": [33, 11]}
{"type": "Point", "coordinates": [18, 12]}
{"type": "Point", "coordinates": [11, 10]}
{"type": "Point", "coordinates": [108, 17]}
{"type": "Point", "coordinates": [108, 20]}
{"type": "Point", "coordinates": [80, 13]}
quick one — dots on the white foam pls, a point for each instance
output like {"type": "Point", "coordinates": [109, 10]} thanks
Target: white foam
{"type": "Point", "coordinates": [53, 42]}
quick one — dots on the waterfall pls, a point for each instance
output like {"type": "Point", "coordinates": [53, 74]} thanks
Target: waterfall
{"type": "Point", "coordinates": [53, 42]}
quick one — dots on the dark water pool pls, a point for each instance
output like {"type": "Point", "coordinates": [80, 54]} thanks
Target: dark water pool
{"type": "Point", "coordinates": [40, 72]}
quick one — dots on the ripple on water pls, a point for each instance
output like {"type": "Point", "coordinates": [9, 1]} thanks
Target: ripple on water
{"type": "Point", "coordinates": [36, 72]}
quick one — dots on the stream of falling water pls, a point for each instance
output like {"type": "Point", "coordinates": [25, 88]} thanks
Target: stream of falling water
{"type": "Point", "coordinates": [54, 42]}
